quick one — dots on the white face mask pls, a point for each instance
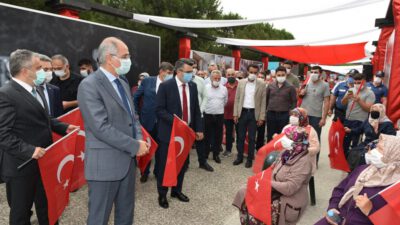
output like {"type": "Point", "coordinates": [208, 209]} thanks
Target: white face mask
{"type": "Point", "coordinates": [59, 73]}
{"type": "Point", "coordinates": [215, 83]}
{"type": "Point", "coordinates": [286, 143]}
{"type": "Point", "coordinates": [293, 120]}
{"type": "Point", "coordinates": [49, 76]}
{"type": "Point", "coordinates": [84, 73]}
{"type": "Point", "coordinates": [374, 157]}
{"type": "Point", "coordinates": [251, 77]}
{"type": "Point", "coordinates": [288, 70]}
{"type": "Point", "coordinates": [281, 79]}
{"type": "Point", "coordinates": [377, 80]}
{"type": "Point", "coordinates": [314, 77]}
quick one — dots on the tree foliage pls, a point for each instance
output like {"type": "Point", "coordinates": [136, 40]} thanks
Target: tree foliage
{"type": "Point", "coordinates": [193, 9]}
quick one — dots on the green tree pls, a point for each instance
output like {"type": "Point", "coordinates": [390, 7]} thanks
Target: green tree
{"type": "Point", "coordinates": [191, 9]}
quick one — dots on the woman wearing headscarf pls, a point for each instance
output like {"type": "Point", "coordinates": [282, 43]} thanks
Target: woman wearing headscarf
{"type": "Point", "coordinates": [350, 199]}
{"type": "Point", "coordinates": [290, 177]}
{"type": "Point", "coordinates": [377, 123]}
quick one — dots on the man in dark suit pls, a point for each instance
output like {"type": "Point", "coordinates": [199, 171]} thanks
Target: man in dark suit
{"type": "Point", "coordinates": [177, 96]}
{"type": "Point", "coordinates": [25, 130]}
{"type": "Point", "coordinates": [147, 113]}
{"type": "Point", "coordinates": [51, 92]}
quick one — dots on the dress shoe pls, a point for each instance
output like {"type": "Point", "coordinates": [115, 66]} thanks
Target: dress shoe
{"type": "Point", "coordinates": [163, 202]}
{"type": "Point", "coordinates": [227, 154]}
{"type": "Point", "coordinates": [206, 167]}
{"type": "Point", "coordinates": [249, 164]}
{"type": "Point", "coordinates": [144, 178]}
{"type": "Point", "coordinates": [237, 162]}
{"type": "Point", "coordinates": [180, 196]}
{"type": "Point", "coordinates": [217, 159]}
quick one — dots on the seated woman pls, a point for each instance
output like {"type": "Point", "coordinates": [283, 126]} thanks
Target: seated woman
{"type": "Point", "coordinates": [290, 177]}
{"type": "Point", "coordinates": [377, 123]}
{"type": "Point", "coordinates": [350, 198]}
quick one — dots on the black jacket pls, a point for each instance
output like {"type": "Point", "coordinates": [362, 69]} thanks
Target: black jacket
{"type": "Point", "coordinates": [24, 125]}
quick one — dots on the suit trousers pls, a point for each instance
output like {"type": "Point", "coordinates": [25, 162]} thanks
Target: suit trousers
{"type": "Point", "coordinates": [200, 149]}
{"type": "Point", "coordinates": [229, 127]}
{"type": "Point", "coordinates": [104, 194]}
{"type": "Point", "coordinates": [247, 123]}
{"type": "Point", "coordinates": [22, 192]}
{"type": "Point", "coordinates": [213, 133]}
{"type": "Point", "coordinates": [276, 121]}
{"type": "Point", "coordinates": [260, 136]}
{"type": "Point", "coordinates": [162, 157]}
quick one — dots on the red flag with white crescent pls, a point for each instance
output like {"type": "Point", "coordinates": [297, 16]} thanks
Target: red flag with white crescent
{"type": "Point", "coordinates": [336, 152]}
{"type": "Point", "coordinates": [143, 161]}
{"type": "Point", "coordinates": [181, 141]}
{"type": "Point", "coordinates": [56, 169]}
{"type": "Point", "coordinates": [258, 196]}
{"type": "Point", "coordinates": [74, 117]}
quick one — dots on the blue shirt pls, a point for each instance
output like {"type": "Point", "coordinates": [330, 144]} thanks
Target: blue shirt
{"type": "Point", "coordinates": [112, 78]}
{"type": "Point", "coordinates": [340, 92]}
{"type": "Point", "coordinates": [379, 91]}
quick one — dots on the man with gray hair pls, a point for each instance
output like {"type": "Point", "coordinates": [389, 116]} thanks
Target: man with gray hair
{"type": "Point", "coordinates": [217, 97]}
{"type": "Point", "coordinates": [67, 81]}
{"type": "Point", "coordinates": [25, 132]}
{"type": "Point", "coordinates": [113, 136]}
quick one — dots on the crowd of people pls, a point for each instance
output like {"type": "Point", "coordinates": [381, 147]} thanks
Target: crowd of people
{"type": "Point", "coordinates": [242, 108]}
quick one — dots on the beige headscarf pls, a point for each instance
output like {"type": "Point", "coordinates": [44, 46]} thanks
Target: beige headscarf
{"type": "Point", "coordinates": [382, 116]}
{"type": "Point", "coordinates": [374, 177]}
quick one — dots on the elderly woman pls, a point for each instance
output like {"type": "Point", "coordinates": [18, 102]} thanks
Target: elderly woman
{"type": "Point", "coordinates": [377, 123]}
{"type": "Point", "coordinates": [350, 198]}
{"type": "Point", "coordinates": [290, 177]}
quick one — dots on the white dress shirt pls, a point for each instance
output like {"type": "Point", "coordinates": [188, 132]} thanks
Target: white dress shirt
{"type": "Point", "coordinates": [46, 95]}
{"type": "Point", "coordinates": [179, 83]}
{"type": "Point", "coordinates": [250, 91]}
{"type": "Point", "coordinates": [159, 81]}
{"type": "Point", "coordinates": [29, 89]}
{"type": "Point", "coordinates": [216, 99]}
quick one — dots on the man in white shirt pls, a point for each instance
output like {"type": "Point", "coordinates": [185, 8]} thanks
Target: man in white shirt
{"type": "Point", "coordinates": [217, 97]}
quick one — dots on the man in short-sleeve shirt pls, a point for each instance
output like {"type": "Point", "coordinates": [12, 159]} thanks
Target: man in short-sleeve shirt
{"type": "Point", "coordinates": [379, 89]}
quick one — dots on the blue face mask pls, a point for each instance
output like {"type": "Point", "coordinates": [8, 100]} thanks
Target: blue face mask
{"type": "Point", "coordinates": [168, 76]}
{"type": "Point", "coordinates": [187, 77]}
{"type": "Point", "coordinates": [124, 67]}
{"type": "Point", "coordinates": [40, 77]}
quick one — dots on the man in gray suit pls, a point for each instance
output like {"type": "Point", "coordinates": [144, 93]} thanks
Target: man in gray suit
{"type": "Point", "coordinates": [113, 136]}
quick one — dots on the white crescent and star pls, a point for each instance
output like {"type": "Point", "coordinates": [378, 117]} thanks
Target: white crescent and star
{"type": "Point", "coordinates": [148, 140]}
{"type": "Point", "coordinates": [336, 138]}
{"type": "Point", "coordinates": [65, 160]}
{"type": "Point", "coordinates": [180, 140]}
{"type": "Point", "coordinates": [82, 156]}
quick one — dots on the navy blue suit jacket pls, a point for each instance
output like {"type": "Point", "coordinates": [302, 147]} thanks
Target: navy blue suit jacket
{"type": "Point", "coordinates": [169, 103]}
{"type": "Point", "coordinates": [147, 113]}
{"type": "Point", "coordinates": [55, 102]}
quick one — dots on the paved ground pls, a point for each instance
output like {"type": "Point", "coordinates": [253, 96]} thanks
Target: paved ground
{"type": "Point", "coordinates": [211, 195]}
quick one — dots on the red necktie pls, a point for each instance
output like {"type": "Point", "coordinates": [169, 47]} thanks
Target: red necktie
{"type": "Point", "coordinates": [184, 104]}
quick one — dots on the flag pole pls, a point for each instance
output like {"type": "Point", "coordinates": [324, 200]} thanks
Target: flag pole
{"type": "Point", "coordinates": [353, 102]}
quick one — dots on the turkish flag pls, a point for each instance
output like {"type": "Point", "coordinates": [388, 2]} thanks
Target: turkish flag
{"type": "Point", "coordinates": [258, 196]}
{"type": "Point", "coordinates": [143, 161]}
{"type": "Point", "coordinates": [390, 212]}
{"type": "Point", "coordinates": [336, 152]}
{"type": "Point", "coordinates": [182, 138]}
{"type": "Point", "coordinates": [74, 117]}
{"type": "Point", "coordinates": [273, 145]}
{"type": "Point", "coordinates": [56, 170]}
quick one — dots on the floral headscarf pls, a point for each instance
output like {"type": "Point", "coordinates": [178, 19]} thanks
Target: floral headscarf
{"type": "Point", "coordinates": [300, 143]}
{"type": "Point", "coordinates": [303, 117]}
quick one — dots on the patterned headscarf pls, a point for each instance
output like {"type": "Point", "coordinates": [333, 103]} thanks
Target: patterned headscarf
{"type": "Point", "coordinates": [374, 177]}
{"type": "Point", "coordinates": [302, 114]}
{"type": "Point", "coordinates": [300, 143]}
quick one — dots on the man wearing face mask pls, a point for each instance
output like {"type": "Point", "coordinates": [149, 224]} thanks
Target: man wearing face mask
{"type": "Point", "coordinates": [291, 78]}
{"type": "Point", "coordinates": [177, 96]}
{"type": "Point", "coordinates": [336, 98]}
{"type": "Point", "coordinates": [380, 90]}
{"type": "Point", "coordinates": [230, 126]}
{"type": "Point", "coordinates": [147, 92]}
{"type": "Point", "coordinates": [51, 92]}
{"type": "Point", "coordinates": [25, 132]}
{"type": "Point", "coordinates": [316, 96]}
{"type": "Point", "coordinates": [217, 97]}
{"type": "Point", "coordinates": [249, 112]}
{"type": "Point", "coordinates": [67, 81]}
{"type": "Point", "coordinates": [85, 67]}
{"type": "Point", "coordinates": [358, 101]}
{"type": "Point", "coordinates": [211, 67]}
{"type": "Point", "coordinates": [280, 99]}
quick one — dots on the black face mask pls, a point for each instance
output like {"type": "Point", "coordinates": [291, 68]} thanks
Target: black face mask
{"type": "Point", "coordinates": [231, 80]}
{"type": "Point", "coordinates": [375, 114]}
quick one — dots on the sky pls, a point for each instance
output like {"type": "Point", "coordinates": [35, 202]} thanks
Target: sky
{"type": "Point", "coordinates": [318, 27]}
